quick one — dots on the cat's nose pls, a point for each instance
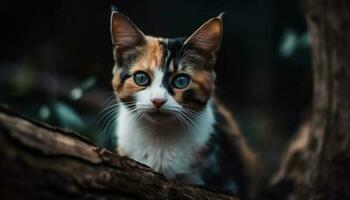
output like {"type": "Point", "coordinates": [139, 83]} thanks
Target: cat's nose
{"type": "Point", "coordinates": [158, 102]}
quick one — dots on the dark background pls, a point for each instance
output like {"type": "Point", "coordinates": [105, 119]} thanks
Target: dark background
{"type": "Point", "coordinates": [56, 62]}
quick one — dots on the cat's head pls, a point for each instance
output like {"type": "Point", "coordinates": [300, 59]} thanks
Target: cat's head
{"type": "Point", "coordinates": [162, 77]}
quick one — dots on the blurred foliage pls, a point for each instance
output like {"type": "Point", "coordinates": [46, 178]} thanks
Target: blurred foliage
{"type": "Point", "coordinates": [77, 92]}
{"type": "Point", "coordinates": [22, 80]}
{"type": "Point", "coordinates": [292, 42]}
{"type": "Point", "coordinates": [67, 117]}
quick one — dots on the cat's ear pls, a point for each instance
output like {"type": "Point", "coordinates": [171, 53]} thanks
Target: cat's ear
{"type": "Point", "coordinates": [125, 34]}
{"type": "Point", "coordinates": [207, 38]}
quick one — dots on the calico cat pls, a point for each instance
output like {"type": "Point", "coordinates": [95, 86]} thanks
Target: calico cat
{"type": "Point", "coordinates": [168, 116]}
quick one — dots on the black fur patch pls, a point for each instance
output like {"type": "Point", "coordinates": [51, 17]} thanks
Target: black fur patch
{"type": "Point", "coordinates": [229, 165]}
{"type": "Point", "coordinates": [172, 52]}
{"type": "Point", "coordinates": [190, 96]}
{"type": "Point", "coordinates": [124, 75]}
{"type": "Point", "coordinates": [175, 46]}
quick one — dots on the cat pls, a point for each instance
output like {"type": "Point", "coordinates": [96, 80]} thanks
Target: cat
{"type": "Point", "coordinates": [168, 117]}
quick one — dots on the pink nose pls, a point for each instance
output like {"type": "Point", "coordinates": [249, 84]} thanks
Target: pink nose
{"type": "Point", "coordinates": [158, 102]}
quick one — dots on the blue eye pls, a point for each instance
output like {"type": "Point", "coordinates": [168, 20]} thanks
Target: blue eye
{"type": "Point", "coordinates": [181, 81]}
{"type": "Point", "coordinates": [141, 78]}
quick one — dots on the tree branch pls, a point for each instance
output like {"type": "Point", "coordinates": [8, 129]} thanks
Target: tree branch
{"type": "Point", "coordinates": [39, 161]}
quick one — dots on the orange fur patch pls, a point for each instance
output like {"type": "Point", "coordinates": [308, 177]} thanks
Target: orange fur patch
{"type": "Point", "coordinates": [204, 81]}
{"type": "Point", "coordinates": [150, 59]}
{"type": "Point", "coordinates": [202, 84]}
{"type": "Point", "coordinates": [126, 90]}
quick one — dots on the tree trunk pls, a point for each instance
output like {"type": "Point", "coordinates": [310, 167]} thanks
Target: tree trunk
{"type": "Point", "coordinates": [328, 174]}
{"type": "Point", "coordinates": [42, 162]}
{"type": "Point", "coordinates": [318, 160]}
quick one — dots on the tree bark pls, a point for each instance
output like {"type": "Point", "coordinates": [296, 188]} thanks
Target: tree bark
{"type": "Point", "coordinates": [320, 165]}
{"type": "Point", "coordinates": [42, 162]}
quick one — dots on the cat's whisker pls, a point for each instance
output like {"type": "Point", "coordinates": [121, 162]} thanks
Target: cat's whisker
{"type": "Point", "coordinates": [107, 118]}
{"type": "Point", "coordinates": [109, 115]}
{"type": "Point", "coordinates": [139, 116]}
{"type": "Point", "coordinates": [173, 110]}
{"type": "Point", "coordinates": [187, 108]}
{"type": "Point", "coordinates": [109, 100]}
{"type": "Point", "coordinates": [129, 102]}
{"type": "Point", "coordinates": [135, 115]}
{"type": "Point", "coordinates": [106, 109]}
{"type": "Point", "coordinates": [194, 114]}
{"type": "Point", "coordinates": [105, 130]}
{"type": "Point", "coordinates": [180, 120]}
{"type": "Point", "coordinates": [111, 123]}
{"type": "Point", "coordinates": [113, 105]}
{"type": "Point", "coordinates": [190, 106]}
{"type": "Point", "coordinates": [107, 112]}
{"type": "Point", "coordinates": [186, 120]}
{"type": "Point", "coordinates": [197, 118]}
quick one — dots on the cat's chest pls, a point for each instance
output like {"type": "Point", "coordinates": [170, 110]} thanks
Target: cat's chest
{"type": "Point", "coordinates": [165, 150]}
{"type": "Point", "coordinates": [168, 156]}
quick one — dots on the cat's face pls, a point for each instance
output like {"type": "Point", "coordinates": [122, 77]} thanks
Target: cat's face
{"type": "Point", "coordinates": [163, 78]}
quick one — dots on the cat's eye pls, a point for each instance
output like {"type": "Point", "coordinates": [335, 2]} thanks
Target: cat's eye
{"type": "Point", "coordinates": [181, 81]}
{"type": "Point", "coordinates": [141, 78]}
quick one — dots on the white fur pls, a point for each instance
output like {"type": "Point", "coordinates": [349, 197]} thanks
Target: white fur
{"type": "Point", "coordinates": [167, 149]}
{"type": "Point", "coordinates": [160, 148]}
